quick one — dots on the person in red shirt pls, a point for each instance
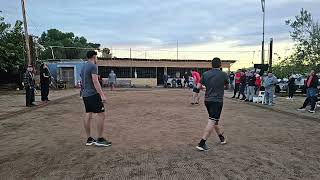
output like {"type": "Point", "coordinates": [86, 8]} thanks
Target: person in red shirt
{"type": "Point", "coordinates": [237, 83]}
{"type": "Point", "coordinates": [258, 83]}
{"type": "Point", "coordinates": [196, 80]}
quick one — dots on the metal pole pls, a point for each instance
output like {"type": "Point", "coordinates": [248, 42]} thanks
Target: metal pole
{"type": "Point", "coordinates": [26, 35]}
{"type": "Point", "coordinates": [131, 64]}
{"type": "Point", "coordinates": [52, 53]}
{"type": "Point", "coordinates": [177, 50]}
{"type": "Point", "coordinates": [263, 26]}
{"type": "Point", "coordinates": [270, 54]}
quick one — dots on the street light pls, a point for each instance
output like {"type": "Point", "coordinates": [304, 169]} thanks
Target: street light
{"type": "Point", "coordinates": [263, 11]}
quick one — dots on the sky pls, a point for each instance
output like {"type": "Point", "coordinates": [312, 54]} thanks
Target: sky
{"type": "Point", "coordinates": [152, 28]}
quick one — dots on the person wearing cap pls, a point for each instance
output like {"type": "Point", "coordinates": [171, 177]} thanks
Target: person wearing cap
{"type": "Point", "coordinates": [29, 86]}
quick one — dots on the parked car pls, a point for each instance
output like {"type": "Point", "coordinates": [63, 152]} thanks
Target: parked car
{"type": "Point", "coordinates": [282, 85]}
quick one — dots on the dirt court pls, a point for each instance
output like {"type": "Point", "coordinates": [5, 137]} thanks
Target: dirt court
{"type": "Point", "coordinates": [154, 134]}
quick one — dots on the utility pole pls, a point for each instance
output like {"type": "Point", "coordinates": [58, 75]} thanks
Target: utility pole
{"type": "Point", "coordinates": [26, 35]}
{"type": "Point", "coordinates": [131, 64]}
{"type": "Point", "coordinates": [263, 24]}
{"type": "Point", "coordinates": [177, 50]}
{"type": "Point", "coordinates": [270, 54]}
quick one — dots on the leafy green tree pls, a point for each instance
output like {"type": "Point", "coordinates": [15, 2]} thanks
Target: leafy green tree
{"type": "Point", "coordinates": [106, 53]}
{"type": "Point", "coordinates": [54, 40]}
{"type": "Point", "coordinates": [306, 34]}
{"type": "Point", "coordinates": [12, 54]}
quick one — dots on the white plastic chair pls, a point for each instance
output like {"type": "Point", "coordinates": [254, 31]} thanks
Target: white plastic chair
{"type": "Point", "coordinates": [261, 97]}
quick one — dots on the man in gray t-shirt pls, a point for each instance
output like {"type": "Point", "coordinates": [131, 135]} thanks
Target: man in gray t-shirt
{"type": "Point", "coordinates": [88, 88]}
{"type": "Point", "coordinates": [215, 82]}
{"type": "Point", "coordinates": [112, 80]}
{"type": "Point", "coordinates": [93, 99]}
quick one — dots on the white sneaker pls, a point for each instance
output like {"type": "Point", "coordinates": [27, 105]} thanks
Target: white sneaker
{"type": "Point", "coordinates": [301, 109]}
{"type": "Point", "coordinates": [288, 98]}
{"type": "Point", "coordinates": [312, 111]}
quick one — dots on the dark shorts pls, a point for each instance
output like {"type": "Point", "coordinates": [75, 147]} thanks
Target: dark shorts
{"type": "Point", "coordinates": [214, 110]}
{"type": "Point", "coordinates": [196, 90]}
{"type": "Point", "coordinates": [93, 104]}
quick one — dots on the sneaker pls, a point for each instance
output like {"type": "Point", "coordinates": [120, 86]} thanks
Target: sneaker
{"type": "Point", "coordinates": [270, 104]}
{"type": "Point", "coordinates": [203, 148]}
{"type": "Point", "coordinates": [288, 98]}
{"type": "Point", "coordinates": [196, 103]}
{"type": "Point", "coordinates": [247, 100]}
{"type": "Point", "coordinates": [312, 111]}
{"type": "Point", "coordinates": [238, 98]}
{"type": "Point", "coordinates": [233, 97]}
{"type": "Point", "coordinates": [90, 141]}
{"type": "Point", "coordinates": [301, 109]}
{"type": "Point", "coordinates": [102, 142]}
{"type": "Point", "coordinates": [242, 99]}
{"type": "Point", "coordinates": [192, 103]}
{"type": "Point", "coordinates": [223, 139]}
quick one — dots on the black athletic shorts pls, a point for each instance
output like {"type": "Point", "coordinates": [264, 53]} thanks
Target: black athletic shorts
{"type": "Point", "coordinates": [93, 104]}
{"type": "Point", "coordinates": [196, 90]}
{"type": "Point", "coordinates": [214, 109]}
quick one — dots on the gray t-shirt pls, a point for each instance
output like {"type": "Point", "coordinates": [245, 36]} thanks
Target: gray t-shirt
{"type": "Point", "coordinates": [112, 77]}
{"type": "Point", "coordinates": [215, 81]}
{"type": "Point", "coordinates": [87, 87]}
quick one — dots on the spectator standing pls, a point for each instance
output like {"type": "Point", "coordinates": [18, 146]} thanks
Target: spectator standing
{"type": "Point", "coordinates": [251, 86]}
{"type": "Point", "coordinates": [242, 86]}
{"type": "Point", "coordinates": [231, 79]}
{"type": "Point", "coordinates": [29, 86]}
{"type": "Point", "coordinates": [291, 87]}
{"type": "Point", "coordinates": [258, 84]}
{"type": "Point", "coordinates": [45, 80]}
{"type": "Point", "coordinates": [165, 80]}
{"type": "Point", "coordinates": [237, 83]}
{"type": "Point", "coordinates": [312, 92]}
{"type": "Point", "coordinates": [269, 84]}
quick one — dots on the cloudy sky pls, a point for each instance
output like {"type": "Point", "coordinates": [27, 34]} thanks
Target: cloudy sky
{"type": "Point", "coordinates": [206, 25]}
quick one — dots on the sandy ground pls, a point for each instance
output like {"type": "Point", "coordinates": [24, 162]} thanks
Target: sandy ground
{"type": "Point", "coordinates": [154, 134]}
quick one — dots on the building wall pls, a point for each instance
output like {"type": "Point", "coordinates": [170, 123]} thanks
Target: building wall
{"type": "Point", "coordinates": [55, 66]}
{"type": "Point", "coordinates": [141, 82]}
{"type": "Point", "coordinates": [181, 64]}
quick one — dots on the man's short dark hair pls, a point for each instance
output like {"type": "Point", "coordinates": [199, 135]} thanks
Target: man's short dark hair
{"type": "Point", "coordinates": [90, 54]}
{"type": "Point", "coordinates": [269, 71]}
{"type": "Point", "coordinates": [216, 63]}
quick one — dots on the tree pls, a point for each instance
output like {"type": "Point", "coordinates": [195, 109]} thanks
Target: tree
{"type": "Point", "coordinates": [306, 34]}
{"type": "Point", "coordinates": [12, 54]}
{"type": "Point", "coordinates": [106, 53]}
{"type": "Point", "coordinates": [54, 40]}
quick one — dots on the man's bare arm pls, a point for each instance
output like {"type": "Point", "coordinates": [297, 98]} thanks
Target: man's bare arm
{"type": "Point", "coordinates": [97, 86]}
{"type": "Point", "coordinates": [199, 85]}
